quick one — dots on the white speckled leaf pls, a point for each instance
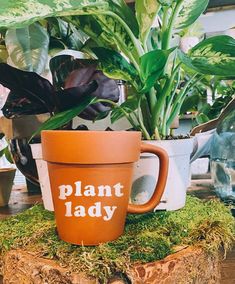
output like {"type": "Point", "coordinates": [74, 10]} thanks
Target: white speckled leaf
{"type": "Point", "coordinates": [28, 48]}
{"type": "Point", "coordinates": [189, 12]}
{"type": "Point", "coordinates": [146, 11]}
{"type": "Point", "coordinates": [17, 13]}
{"type": "Point", "coordinates": [213, 56]}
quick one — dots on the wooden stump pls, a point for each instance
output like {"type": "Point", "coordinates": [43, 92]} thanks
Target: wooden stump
{"type": "Point", "coordinates": [190, 265]}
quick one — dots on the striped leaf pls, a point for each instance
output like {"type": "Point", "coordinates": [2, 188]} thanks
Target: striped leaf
{"type": "Point", "coordinates": [213, 56]}
{"type": "Point", "coordinates": [189, 12]}
{"type": "Point", "coordinates": [17, 13]}
{"type": "Point", "coordinates": [146, 12]}
{"type": "Point", "coordinates": [28, 48]}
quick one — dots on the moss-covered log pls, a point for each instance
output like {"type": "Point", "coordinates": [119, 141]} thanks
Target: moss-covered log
{"type": "Point", "coordinates": [147, 238]}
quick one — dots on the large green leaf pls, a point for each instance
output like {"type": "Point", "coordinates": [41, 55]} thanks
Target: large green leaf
{"type": "Point", "coordinates": [189, 12]}
{"type": "Point", "coordinates": [15, 13]}
{"type": "Point", "coordinates": [213, 56]}
{"type": "Point", "coordinates": [146, 12]}
{"type": "Point", "coordinates": [62, 118]}
{"type": "Point", "coordinates": [107, 31]}
{"type": "Point", "coordinates": [115, 66]}
{"type": "Point", "coordinates": [152, 67]}
{"type": "Point", "coordinates": [28, 48]}
{"type": "Point", "coordinates": [5, 151]}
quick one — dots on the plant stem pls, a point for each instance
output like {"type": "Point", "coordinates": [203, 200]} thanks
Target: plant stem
{"type": "Point", "coordinates": [167, 32]}
{"type": "Point", "coordinates": [180, 99]}
{"type": "Point", "coordinates": [127, 115]}
{"type": "Point", "coordinates": [164, 94]}
{"type": "Point", "coordinates": [144, 130]}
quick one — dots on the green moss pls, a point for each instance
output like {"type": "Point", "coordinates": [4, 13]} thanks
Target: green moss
{"type": "Point", "coordinates": [147, 237]}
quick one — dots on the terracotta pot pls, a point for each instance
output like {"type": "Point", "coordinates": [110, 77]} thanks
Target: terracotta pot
{"type": "Point", "coordinates": [6, 181]}
{"type": "Point", "coordinates": [145, 178]}
{"type": "Point", "coordinates": [90, 174]}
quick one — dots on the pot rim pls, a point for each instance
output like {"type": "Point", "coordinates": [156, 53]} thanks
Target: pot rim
{"type": "Point", "coordinates": [91, 147]}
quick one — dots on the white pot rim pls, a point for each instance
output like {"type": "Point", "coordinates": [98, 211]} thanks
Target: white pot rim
{"type": "Point", "coordinates": [36, 150]}
{"type": "Point", "coordinates": [175, 147]}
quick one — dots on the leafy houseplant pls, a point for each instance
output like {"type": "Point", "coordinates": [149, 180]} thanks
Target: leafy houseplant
{"type": "Point", "coordinates": [130, 49]}
{"type": "Point", "coordinates": [222, 92]}
{"type": "Point", "coordinates": [153, 67]}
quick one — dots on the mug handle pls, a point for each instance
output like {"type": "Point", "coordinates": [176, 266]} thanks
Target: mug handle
{"type": "Point", "coordinates": [160, 186]}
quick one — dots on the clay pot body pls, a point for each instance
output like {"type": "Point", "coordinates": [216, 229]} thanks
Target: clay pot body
{"type": "Point", "coordinates": [90, 175]}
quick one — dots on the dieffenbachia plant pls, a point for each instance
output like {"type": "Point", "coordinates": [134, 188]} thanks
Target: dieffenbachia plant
{"type": "Point", "coordinates": [129, 48]}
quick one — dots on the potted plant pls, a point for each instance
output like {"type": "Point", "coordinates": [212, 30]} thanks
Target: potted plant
{"type": "Point", "coordinates": [129, 48]}
{"type": "Point", "coordinates": [150, 63]}
{"type": "Point", "coordinates": [7, 175]}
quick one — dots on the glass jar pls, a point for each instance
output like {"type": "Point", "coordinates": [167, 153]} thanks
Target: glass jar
{"type": "Point", "coordinates": [223, 158]}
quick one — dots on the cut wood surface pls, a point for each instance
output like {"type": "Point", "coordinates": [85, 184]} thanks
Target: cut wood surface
{"type": "Point", "coordinates": [189, 265]}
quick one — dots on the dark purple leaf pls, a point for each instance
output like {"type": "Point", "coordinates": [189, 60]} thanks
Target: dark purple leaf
{"type": "Point", "coordinates": [71, 97]}
{"type": "Point", "coordinates": [107, 89]}
{"type": "Point", "coordinates": [30, 93]}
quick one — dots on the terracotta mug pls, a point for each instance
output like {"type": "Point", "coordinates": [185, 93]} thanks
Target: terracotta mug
{"type": "Point", "coordinates": [91, 174]}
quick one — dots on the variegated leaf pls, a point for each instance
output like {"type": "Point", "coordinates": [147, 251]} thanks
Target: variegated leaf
{"type": "Point", "coordinates": [213, 56]}
{"type": "Point", "coordinates": [146, 12]}
{"type": "Point", "coordinates": [106, 31]}
{"type": "Point", "coordinates": [18, 13]}
{"type": "Point", "coordinates": [189, 12]}
{"type": "Point", "coordinates": [28, 48]}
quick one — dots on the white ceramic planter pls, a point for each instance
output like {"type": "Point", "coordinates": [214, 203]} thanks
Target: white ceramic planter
{"type": "Point", "coordinates": [6, 181]}
{"type": "Point", "coordinates": [43, 176]}
{"type": "Point", "coordinates": [146, 174]}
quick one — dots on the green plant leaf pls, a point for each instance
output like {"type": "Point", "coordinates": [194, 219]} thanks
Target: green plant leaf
{"type": "Point", "coordinates": [106, 31]}
{"type": "Point", "coordinates": [129, 106]}
{"type": "Point", "coordinates": [202, 118]}
{"type": "Point", "coordinates": [115, 66]}
{"type": "Point", "coordinates": [28, 47]}
{"type": "Point", "coordinates": [67, 33]}
{"type": "Point", "coordinates": [19, 13]}
{"type": "Point", "coordinates": [2, 152]}
{"type": "Point", "coordinates": [190, 12]}
{"type": "Point", "coordinates": [152, 67]}
{"type": "Point", "coordinates": [190, 103]}
{"type": "Point", "coordinates": [8, 155]}
{"type": "Point", "coordinates": [62, 118]}
{"type": "Point", "coordinates": [146, 12]}
{"type": "Point", "coordinates": [5, 151]}
{"type": "Point", "coordinates": [213, 56]}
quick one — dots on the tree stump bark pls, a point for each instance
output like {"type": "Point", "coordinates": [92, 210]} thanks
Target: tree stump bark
{"type": "Point", "coordinates": [190, 265]}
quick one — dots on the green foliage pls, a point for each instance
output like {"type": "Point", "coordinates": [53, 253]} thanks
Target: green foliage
{"type": "Point", "coordinates": [146, 11]}
{"type": "Point", "coordinates": [28, 47]}
{"type": "Point", "coordinates": [222, 93]}
{"type": "Point", "coordinates": [126, 47]}
{"type": "Point", "coordinates": [152, 67]}
{"type": "Point", "coordinates": [64, 35]}
{"type": "Point", "coordinates": [5, 151]}
{"type": "Point", "coordinates": [115, 66]}
{"type": "Point", "coordinates": [62, 118]}
{"type": "Point", "coordinates": [190, 11]}
{"type": "Point", "coordinates": [213, 56]}
{"type": "Point", "coordinates": [147, 237]}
